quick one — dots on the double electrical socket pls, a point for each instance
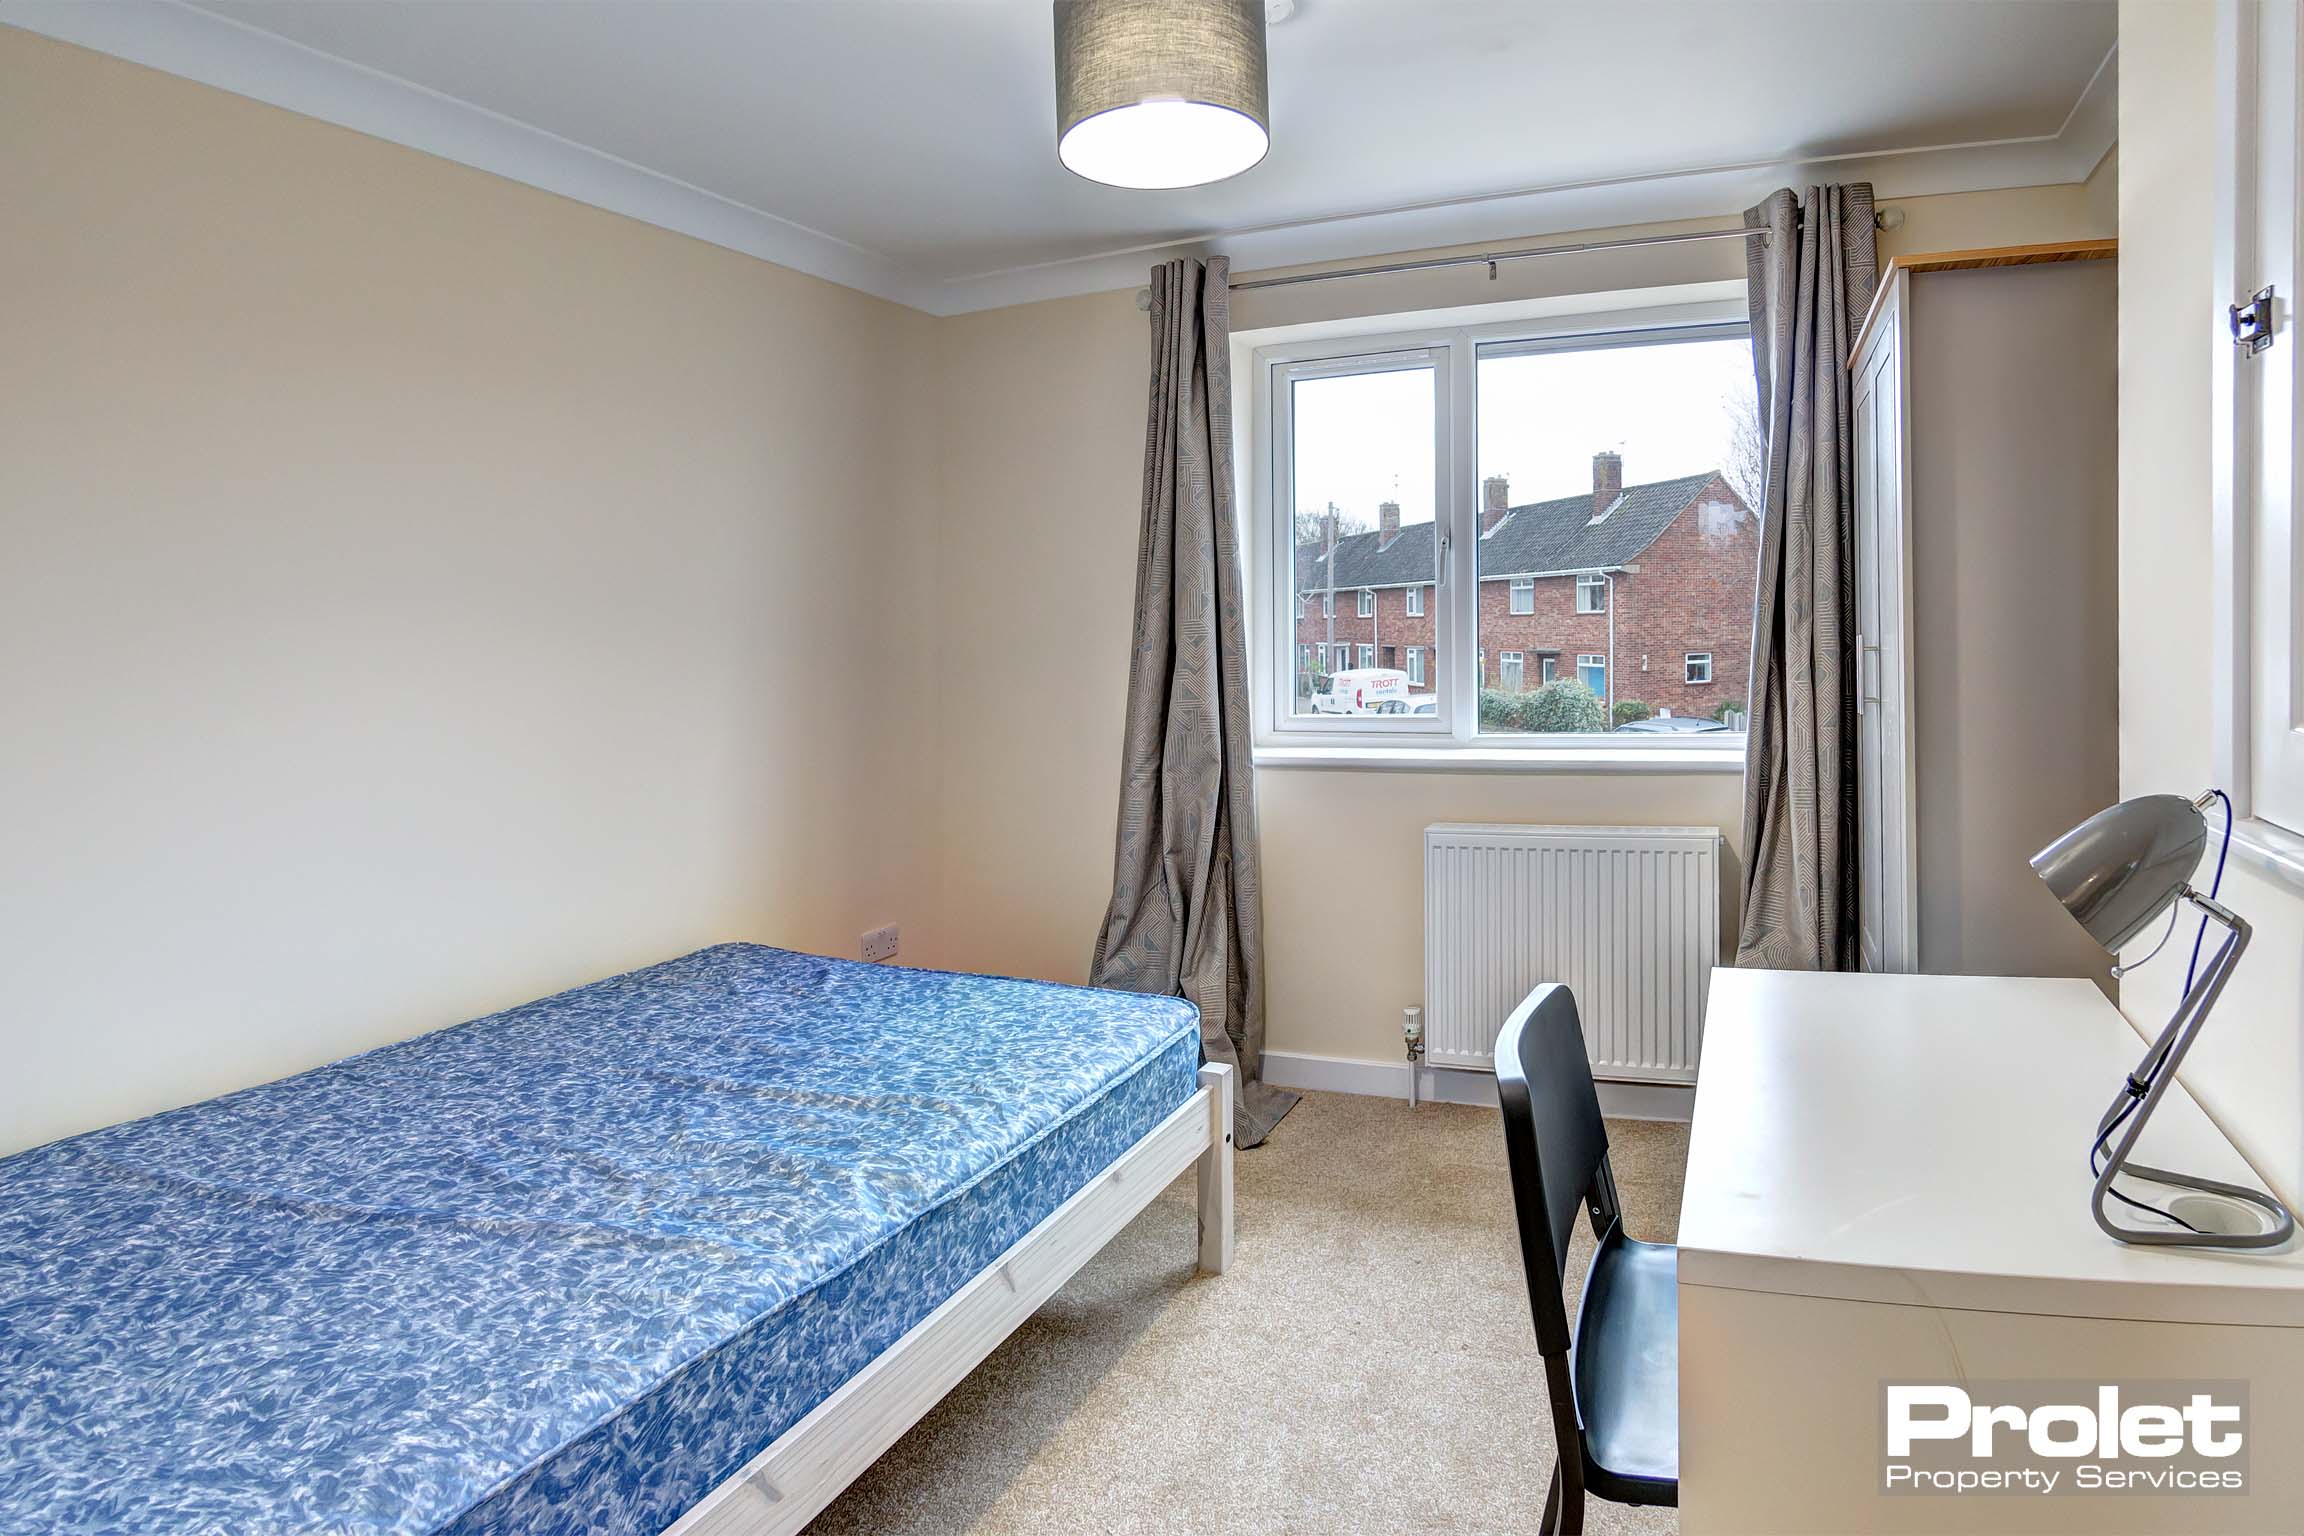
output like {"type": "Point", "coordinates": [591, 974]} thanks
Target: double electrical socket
{"type": "Point", "coordinates": [880, 943]}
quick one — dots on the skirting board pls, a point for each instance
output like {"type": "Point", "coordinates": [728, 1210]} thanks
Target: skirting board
{"type": "Point", "coordinates": [1389, 1080]}
{"type": "Point", "coordinates": [784, 1487]}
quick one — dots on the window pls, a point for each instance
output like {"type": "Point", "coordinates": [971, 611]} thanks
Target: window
{"type": "Point", "coordinates": [1588, 456]}
{"type": "Point", "coordinates": [1300, 600]}
{"type": "Point", "coordinates": [1698, 667]}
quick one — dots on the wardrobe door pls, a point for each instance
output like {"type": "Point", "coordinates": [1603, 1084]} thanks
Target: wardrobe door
{"type": "Point", "coordinates": [1887, 920]}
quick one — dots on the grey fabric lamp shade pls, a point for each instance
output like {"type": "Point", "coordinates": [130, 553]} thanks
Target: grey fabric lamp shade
{"type": "Point", "coordinates": [1160, 93]}
{"type": "Point", "coordinates": [2119, 869]}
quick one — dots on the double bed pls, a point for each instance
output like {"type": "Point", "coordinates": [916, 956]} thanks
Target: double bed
{"type": "Point", "coordinates": [683, 1250]}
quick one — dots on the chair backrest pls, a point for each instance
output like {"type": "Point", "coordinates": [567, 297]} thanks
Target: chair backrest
{"type": "Point", "coordinates": [1555, 1143]}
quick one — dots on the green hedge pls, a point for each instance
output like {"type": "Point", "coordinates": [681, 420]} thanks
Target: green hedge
{"type": "Point", "coordinates": [1562, 705]}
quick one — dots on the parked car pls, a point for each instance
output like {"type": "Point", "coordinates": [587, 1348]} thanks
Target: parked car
{"type": "Point", "coordinates": [1414, 704]}
{"type": "Point", "coordinates": [1672, 725]}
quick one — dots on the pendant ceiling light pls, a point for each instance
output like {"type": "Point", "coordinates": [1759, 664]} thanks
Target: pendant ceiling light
{"type": "Point", "coordinates": [1160, 93]}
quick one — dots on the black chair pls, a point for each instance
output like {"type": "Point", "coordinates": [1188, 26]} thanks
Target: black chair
{"type": "Point", "coordinates": [1615, 1379]}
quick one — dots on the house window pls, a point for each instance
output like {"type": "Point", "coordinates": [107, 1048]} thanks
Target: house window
{"type": "Point", "coordinates": [1698, 666]}
{"type": "Point", "coordinates": [1499, 490]}
{"type": "Point", "coordinates": [1304, 662]}
{"type": "Point", "coordinates": [1300, 601]}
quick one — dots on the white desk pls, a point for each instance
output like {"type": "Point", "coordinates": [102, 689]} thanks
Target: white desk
{"type": "Point", "coordinates": [1888, 1180]}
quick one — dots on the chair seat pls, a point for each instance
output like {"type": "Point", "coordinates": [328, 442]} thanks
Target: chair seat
{"type": "Point", "coordinates": [1627, 1371]}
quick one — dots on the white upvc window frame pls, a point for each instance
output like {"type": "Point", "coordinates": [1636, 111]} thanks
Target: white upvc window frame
{"type": "Point", "coordinates": [1415, 660]}
{"type": "Point", "coordinates": [1367, 604]}
{"type": "Point", "coordinates": [1593, 661]}
{"type": "Point", "coordinates": [1689, 660]}
{"type": "Point", "coordinates": [2257, 417]}
{"type": "Point", "coordinates": [1413, 601]}
{"type": "Point", "coordinates": [1591, 592]}
{"type": "Point", "coordinates": [1519, 590]}
{"type": "Point", "coordinates": [1367, 655]}
{"type": "Point", "coordinates": [1451, 735]}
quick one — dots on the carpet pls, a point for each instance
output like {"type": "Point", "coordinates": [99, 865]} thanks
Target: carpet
{"type": "Point", "coordinates": [1367, 1365]}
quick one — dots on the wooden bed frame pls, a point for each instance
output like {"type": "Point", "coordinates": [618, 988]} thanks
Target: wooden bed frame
{"type": "Point", "coordinates": [787, 1485]}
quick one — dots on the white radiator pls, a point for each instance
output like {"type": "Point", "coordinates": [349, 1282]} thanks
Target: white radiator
{"type": "Point", "coordinates": [1628, 917]}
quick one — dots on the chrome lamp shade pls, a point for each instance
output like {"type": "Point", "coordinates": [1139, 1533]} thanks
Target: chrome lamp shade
{"type": "Point", "coordinates": [1160, 93]}
{"type": "Point", "coordinates": [2116, 873]}
{"type": "Point", "coordinates": [2120, 869]}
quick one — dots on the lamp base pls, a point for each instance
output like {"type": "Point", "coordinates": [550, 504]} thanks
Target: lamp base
{"type": "Point", "coordinates": [2222, 1215]}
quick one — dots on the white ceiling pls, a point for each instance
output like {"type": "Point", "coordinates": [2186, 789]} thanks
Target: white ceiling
{"type": "Point", "coordinates": [907, 146]}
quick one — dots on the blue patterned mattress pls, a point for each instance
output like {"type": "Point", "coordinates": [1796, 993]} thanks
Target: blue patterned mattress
{"type": "Point", "coordinates": [559, 1270]}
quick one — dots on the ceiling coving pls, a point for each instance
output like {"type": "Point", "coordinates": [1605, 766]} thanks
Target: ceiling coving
{"type": "Point", "coordinates": [903, 147]}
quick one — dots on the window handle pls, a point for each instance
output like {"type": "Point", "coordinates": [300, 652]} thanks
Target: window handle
{"type": "Point", "coordinates": [1447, 543]}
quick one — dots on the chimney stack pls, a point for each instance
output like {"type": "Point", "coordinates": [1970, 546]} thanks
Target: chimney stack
{"type": "Point", "coordinates": [1607, 480]}
{"type": "Point", "coordinates": [1495, 501]}
{"type": "Point", "coordinates": [1387, 523]}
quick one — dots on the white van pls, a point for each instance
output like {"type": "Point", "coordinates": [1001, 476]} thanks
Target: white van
{"type": "Point", "coordinates": [1364, 691]}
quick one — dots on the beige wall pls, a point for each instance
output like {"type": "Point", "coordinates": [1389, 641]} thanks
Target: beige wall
{"type": "Point", "coordinates": [424, 592]}
{"type": "Point", "coordinates": [2015, 601]}
{"type": "Point", "coordinates": [420, 593]}
{"type": "Point", "coordinates": [1043, 442]}
{"type": "Point", "coordinates": [2247, 1069]}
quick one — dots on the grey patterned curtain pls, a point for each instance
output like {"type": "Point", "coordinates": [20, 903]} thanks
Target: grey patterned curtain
{"type": "Point", "coordinates": [1187, 912]}
{"type": "Point", "coordinates": [1811, 281]}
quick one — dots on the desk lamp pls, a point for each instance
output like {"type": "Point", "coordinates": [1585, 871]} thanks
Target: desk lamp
{"type": "Point", "coordinates": [2115, 873]}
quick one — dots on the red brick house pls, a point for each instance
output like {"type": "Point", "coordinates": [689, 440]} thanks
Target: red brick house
{"type": "Point", "coordinates": [1643, 592]}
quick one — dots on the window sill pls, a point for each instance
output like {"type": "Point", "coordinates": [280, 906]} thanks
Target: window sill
{"type": "Point", "coordinates": [1434, 759]}
{"type": "Point", "coordinates": [2270, 850]}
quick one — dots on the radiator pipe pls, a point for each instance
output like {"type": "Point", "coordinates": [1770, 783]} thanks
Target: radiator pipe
{"type": "Point", "coordinates": [1412, 1035]}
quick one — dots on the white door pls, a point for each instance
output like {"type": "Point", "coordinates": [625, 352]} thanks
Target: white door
{"type": "Point", "coordinates": [1887, 931]}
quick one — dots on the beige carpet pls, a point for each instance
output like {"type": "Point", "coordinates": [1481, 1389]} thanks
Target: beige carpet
{"type": "Point", "coordinates": [1367, 1365]}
